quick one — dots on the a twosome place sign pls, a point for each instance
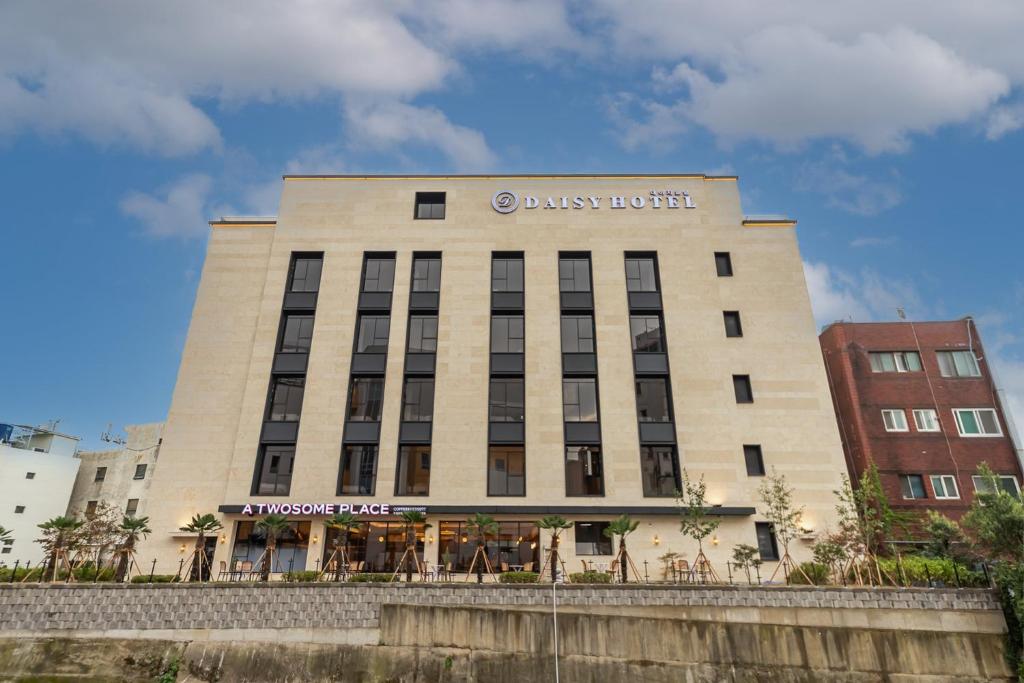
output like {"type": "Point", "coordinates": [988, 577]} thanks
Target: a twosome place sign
{"type": "Point", "coordinates": [506, 201]}
{"type": "Point", "coordinates": [324, 509]}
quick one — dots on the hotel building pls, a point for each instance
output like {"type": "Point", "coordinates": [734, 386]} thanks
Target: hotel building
{"type": "Point", "coordinates": [513, 345]}
{"type": "Point", "coordinates": [918, 400]}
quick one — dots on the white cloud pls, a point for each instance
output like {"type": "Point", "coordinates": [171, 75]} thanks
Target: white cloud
{"type": "Point", "coordinates": [177, 210]}
{"type": "Point", "coordinates": [859, 242]}
{"type": "Point", "coordinates": [388, 125]}
{"type": "Point", "coordinates": [1004, 120]}
{"type": "Point", "coordinates": [837, 294]}
{"type": "Point", "coordinates": [832, 295]}
{"type": "Point", "coordinates": [855, 193]}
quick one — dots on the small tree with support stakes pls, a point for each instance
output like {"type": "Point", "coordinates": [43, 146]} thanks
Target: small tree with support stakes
{"type": "Point", "coordinates": [273, 527]}
{"type": "Point", "coordinates": [865, 522]}
{"type": "Point", "coordinates": [481, 527]}
{"type": "Point", "coordinates": [622, 527]}
{"type": "Point", "coordinates": [59, 538]}
{"type": "Point", "coordinates": [201, 525]}
{"type": "Point", "coordinates": [695, 522]}
{"type": "Point", "coordinates": [745, 556]}
{"type": "Point", "coordinates": [343, 523]}
{"type": "Point", "coordinates": [132, 529]}
{"type": "Point", "coordinates": [777, 497]}
{"type": "Point", "coordinates": [410, 519]}
{"type": "Point", "coordinates": [556, 525]}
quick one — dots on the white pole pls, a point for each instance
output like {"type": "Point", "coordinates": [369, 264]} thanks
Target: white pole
{"type": "Point", "coordinates": [554, 615]}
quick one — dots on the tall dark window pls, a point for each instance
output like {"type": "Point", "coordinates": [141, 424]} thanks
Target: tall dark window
{"type": "Point", "coordinates": [723, 263]}
{"type": "Point", "coordinates": [584, 474]}
{"type": "Point", "coordinates": [579, 400]}
{"type": "Point", "coordinates": [507, 334]}
{"type": "Point", "coordinates": [365, 399]}
{"type": "Point", "coordinates": [507, 274]}
{"type": "Point", "coordinates": [418, 402]}
{"type": "Point", "coordinates": [373, 334]}
{"type": "Point", "coordinates": [506, 471]}
{"type": "Point", "coordinates": [591, 539]}
{"type": "Point", "coordinates": [577, 334]}
{"type": "Point", "coordinates": [305, 275]}
{"type": "Point", "coordinates": [766, 543]}
{"type": "Point", "coordinates": [652, 400]}
{"type": "Point", "coordinates": [640, 274]}
{"type": "Point", "coordinates": [645, 333]}
{"type": "Point", "coordinates": [422, 334]}
{"type": "Point", "coordinates": [298, 334]}
{"type": "Point", "coordinates": [413, 476]}
{"type": "Point", "coordinates": [101, 474]}
{"type": "Point", "coordinates": [506, 401]}
{"type": "Point", "coordinates": [426, 274]}
{"type": "Point", "coordinates": [741, 385]}
{"type": "Point", "coordinates": [379, 275]}
{"type": "Point", "coordinates": [430, 205]}
{"type": "Point", "coordinates": [574, 274]}
{"type": "Point", "coordinates": [275, 472]}
{"type": "Point", "coordinates": [140, 471]}
{"type": "Point", "coordinates": [286, 399]}
{"type": "Point", "coordinates": [358, 470]}
{"type": "Point", "coordinates": [755, 460]}
{"type": "Point", "coordinates": [733, 328]}
{"type": "Point", "coordinates": [132, 507]}
{"type": "Point", "coordinates": [659, 469]}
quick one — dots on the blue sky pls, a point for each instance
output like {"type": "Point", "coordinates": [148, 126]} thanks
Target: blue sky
{"type": "Point", "coordinates": [894, 134]}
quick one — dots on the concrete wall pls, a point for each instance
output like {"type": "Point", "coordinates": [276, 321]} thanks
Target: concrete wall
{"type": "Point", "coordinates": [142, 447]}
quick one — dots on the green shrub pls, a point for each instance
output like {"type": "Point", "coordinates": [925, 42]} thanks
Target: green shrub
{"type": "Point", "coordinates": [919, 570]}
{"type": "Point", "coordinates": [88, 574]}
{"type": "Point", "coordinates": [34, 574]}
{"type": "Point", "coordinates": [818, 573]}
{"type": "Point", "coordinates": [518, 577]}
{"type": "Point", "coordinates": [370, 578]}
{"type": "Point", "coordinates": [301, 576]}
{"type": "Point", "coordinates": [590, 577]}
{"type": "Point", "coordinates": [157, 578]}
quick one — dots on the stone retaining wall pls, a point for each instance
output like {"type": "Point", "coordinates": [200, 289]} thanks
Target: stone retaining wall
{"type": "Point", "coordinates": [140, 607]}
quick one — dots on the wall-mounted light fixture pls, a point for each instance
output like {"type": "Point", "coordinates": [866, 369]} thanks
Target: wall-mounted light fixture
{"type": "Point", "coordinates": [315, 539]}
{"type": "Point", "coordinates": [714, 540]}
{"type": "Point", "coordinates": [182, 548]}
{"type": "Point", "coordinates": [657, 539]}
{"type": "Point", "coordinates": [223, 539]}
{"type": "Point", "coordinates": [430, 539]}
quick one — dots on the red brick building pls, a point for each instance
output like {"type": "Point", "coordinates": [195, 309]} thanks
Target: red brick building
{"type": "Point", "coordinates": [918, 400]}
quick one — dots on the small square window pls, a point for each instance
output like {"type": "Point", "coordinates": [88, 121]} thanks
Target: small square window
{"type": "Point", "coordinates": [30, 475]}
{"type": "Point", "coordinates": [101, 474]}
{"type": "Point", "coordinates": [912, 486]}
{"type": "Point", "coordinates": [5, 550]}
{"type": "Point", "coordinates": [19, 509]}
{"type": "Point", "coordinates": [723, 263]}
{"type": "Point", "coordinates": [755, 460]}
{"type": "Point", "coordinates": [140, 472]}
{"type": "Point", "coordinates": [733, 328]}
{"type": "Point", "coordinates": [741, 385]}
{"type": "Point", "coordinates": [430, 205]}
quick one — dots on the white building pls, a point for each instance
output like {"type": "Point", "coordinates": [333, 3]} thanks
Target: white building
{"type": "Point", "coordinates": [37, 472]}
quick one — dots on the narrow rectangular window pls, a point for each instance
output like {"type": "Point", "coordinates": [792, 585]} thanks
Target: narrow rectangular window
{"type": "Point", "coordinates": [286, 399]}
{"type": "Point", "coordinates": [413, 476]}
{"type": "Point", "coordinates": [574, 274]}
{"type": "Point", "coordinates": [90, 508]}
{"type": "Point", "coordinates": [298, 334]}
{"type": "Point", "coordinates": [426, 274]}
{"type": "Point", "coordinates": [591, 538]}
{"type": "Point", "coordinates": [754, 458]}
{"type": "Point", "coordinates": [373, 333]}
{"type": "Point", "coordinates": [912, 486]}
{"type": "Point", "coordinates": [958, 364]}
{"type": "Point", "coordinates": [275, 470]}
{"type": "Point", "coordinates": [977, 422]}
{"type": "Point", "coordinates": [741, 386]}
{"type": "Point", "coordinates": [767, 546]}
{"type": "Point", "coordinates": [577, 334]}
{"type": "Point", "coordinates": [507, 334]}
{"type": "Point", "coordinates": [507, 400]}
{"type": "Point", "coordinates": [422, 334]}
{"type": "Point", "coordinates": [358, 473]}
{"type": "Point", "coordinates": [305, 274]}
{"type": "Point", "coordinates": [652, 400]}
{"type": "Point", "coordinates": [944, 486]}
{"type": "Point", "coordinates": [584, 474]}
{"type": "Point", "coordinates": [379, 274]}
{"type": "Point", "coordinates": [659, 471]}
{"type": "Point", "coordinates": [140, 472]}
{"type": "Point", "coordinates": [418, 403]}
{"type": "Point", "coordinates": [895, 421]}
{"type": "Point", "coordinates": [733, 328]}
{"type": "Point", "coordinates": [365, 399]}
{"type": "Point", "coordinates": [926, 420]}
{"type": "Point", "coordinates": [430, 205]}
{"type": "Point", "coordinates": [579, 400]}
{"type": "Point", "coordinates": [101, 474]}
{"type": "Point", "coordinates": [132, 507]}
{"type": "Point", "coordinates": [723, 264]}
{"type": "Point", "coordinates": [507, 274]}
{"type": "Point", "coordinates": [641, 274]}
{"type": "Point", "coordinates": [506, 471]}
{"type": "Point", "coordinates": [645, 334]}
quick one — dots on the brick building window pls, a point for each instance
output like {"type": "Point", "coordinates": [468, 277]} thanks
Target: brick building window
{"type": "Point", "coordinates": [1006, 482]}
{"type": "Point", "coordinates": [895, 421]}
{"type": "Point", "coordinates": [944, 486]}
{"type": "Point", "coordinates": [977, 422]}
{"type": "Point", "coordinates": [926, 420]}
{"type": "Point", "coordinates": [912, 486]}
{"type": "Point", "coordinates": [895, 361]}
{"type": "Point", "coordinates": [958, 364]}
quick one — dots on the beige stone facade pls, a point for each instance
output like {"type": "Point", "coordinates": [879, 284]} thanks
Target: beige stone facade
{"type": "Point", "coordinates": [212, 436]}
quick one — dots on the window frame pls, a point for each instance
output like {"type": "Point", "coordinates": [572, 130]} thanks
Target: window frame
{"type": "Point", "coordinates": [977, 418]}
{"type": "Point", "coordinates": [952, 355]}
{"type": "Point", "coordinates": [406, 451]}
{"type": "Point", "coordinates": [364, 278]}
{"type": "Point", "coordinates": [101, 475]}
{"type": "Point", "coordinates": [898, 359]}
{"type": "Point", "coordinates": [496, 320]}
{"type": "Point", "coordinates": [375, 319]}
{"type": "Point", "coordinates": [594, 451]}
{"type": "Point", "coordinates": [656, 276]}
{"type": "Point", "coordinates": [262, 468]}
{"type": "Point", "coordinates": [934, 417]}
{"type": "Point", "coordinates": [648, 451]}
{"type": "Point", "coordinates": [135, 476]}
{"type": "Point", "coordinates": [279, 381]}
{"type": "Point", "coordinates": [945, 488]}
{"type": "Point", "coordinates": [603, 542]}
{"type": "Point", "coordinates": [566, 324]}
{"type": "Point", "coordinates": [669, 413]}
{"type": "Point", "coordinates": [293, 267]}
{"type": "Point", "coordinates": [369, 400]}
{"type": "Point", "coordinates": [663, 347]}
{"type": "Point", "coordinates": [758, 451]}
{"type": "Point", "coordinates": [767, 527]}
{"type": "Point", "coordinates": [747, 385]}
{"type": "Point", "coordinates": [727, 261]}
{"type": "Point", "coordinates": [492, 451]}
{"type": "Point", "coordinates": [415, 404]}
{"type": "Point", "coordinates": [907, 484]}
{"type": "Point", "coordinates": [502, 404]}
{"type": "Point", "coordinates": [732, 316]}
{"type": "Point", "coordinates": [302, 318]}
{"type": "Point", "coordinates": [505, 260]}
{"type": "Point", "coordinates": [1001, 477]}
{"type": "Point", "coordinates": [429, 260]}
{"type": "Point", "coordinates": [374, 450]}
{"type": "Point", "coordinates": [578, 382]}
{"type": "Point", "coordinates": [429, 199]}
{"type": "Point", "coordinates": [419, 320]}
{"type": "Point", "coordinates": [575, 262]}
{"type": "Point", "coordinates": [131, 510]}
{"type": "Point", "coordinates": [895, 411]}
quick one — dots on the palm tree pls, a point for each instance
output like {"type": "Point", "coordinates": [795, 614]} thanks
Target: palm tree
{"type": "Point", "coordinates": [202, 525]}
{"type": "Point", "coordinates": [481, 527]}
{"type": "Point", "coordinates": [5, 534]}
{"type": "Point", "coordinates": [412, 518]}
{"type": "Point", "coordinates": [273, 526]}
{"type": "Point", "coordinates": [58, 538]}
{"type": "Point", "coordinates": [622, 527]}
{"type": "Point", "coordinates": [132, 529]}
{"type": "Point", "coordinates": [555, 524]}
{"type": "Point", "coordinates": [343, 523]}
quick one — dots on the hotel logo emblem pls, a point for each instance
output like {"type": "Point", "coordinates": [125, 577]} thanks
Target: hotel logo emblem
{"type": "Point", "coordinates": [504, 201]}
